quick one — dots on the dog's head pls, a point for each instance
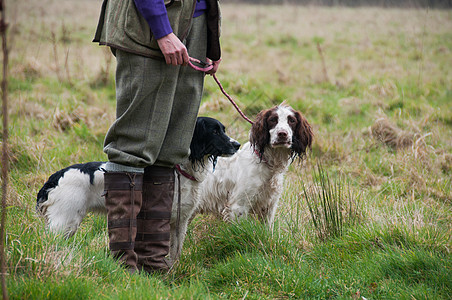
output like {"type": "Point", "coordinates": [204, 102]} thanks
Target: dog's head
{"type": "Point", "coordinates": [281, 127]}
{"type": "Point", "coordinates": [210, 139]}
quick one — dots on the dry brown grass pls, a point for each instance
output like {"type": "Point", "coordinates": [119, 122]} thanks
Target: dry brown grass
{"type": "Point", "coordinates": [37, 21]}
{"type": "Point", "coordinates": [346, 39]}
{"type": "Point", "coordinates": [387, 133]}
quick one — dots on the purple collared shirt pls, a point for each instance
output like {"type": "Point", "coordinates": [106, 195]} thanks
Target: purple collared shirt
{"type": "Point", "coordinates": [154, 12]}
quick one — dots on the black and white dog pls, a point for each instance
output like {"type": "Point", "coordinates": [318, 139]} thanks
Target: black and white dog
{"type": "Point", "coordinates": [69, 194]}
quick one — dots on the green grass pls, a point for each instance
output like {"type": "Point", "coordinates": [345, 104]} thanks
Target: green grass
{"type": "Point", "coordinates": [382, 64]}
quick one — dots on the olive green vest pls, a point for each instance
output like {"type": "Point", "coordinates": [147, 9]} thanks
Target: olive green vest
{"type": "Point", "coordinates": [121, 26]}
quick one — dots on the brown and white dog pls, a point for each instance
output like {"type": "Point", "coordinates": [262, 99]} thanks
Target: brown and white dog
{"type": "Point", "coordinates": [251, 181]}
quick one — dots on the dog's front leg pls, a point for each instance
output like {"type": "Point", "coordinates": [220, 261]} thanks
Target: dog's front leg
{"type": "Point", "coordinates": [177, 238]}
{"type": "Point", "coordinates": [179, 227]}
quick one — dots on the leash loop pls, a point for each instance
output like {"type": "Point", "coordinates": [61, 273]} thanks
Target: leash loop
{"type": "Point", "coordinates": [206, 67]}
{"type": "Point", "coordinates": [209, 67]}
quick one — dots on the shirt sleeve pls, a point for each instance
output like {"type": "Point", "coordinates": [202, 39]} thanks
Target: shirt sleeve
{"type": "Point", "coordinates": [154, 12]}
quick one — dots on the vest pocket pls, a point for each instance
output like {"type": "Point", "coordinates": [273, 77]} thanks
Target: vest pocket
{"type": "Point", "coordinates": [137, 28]}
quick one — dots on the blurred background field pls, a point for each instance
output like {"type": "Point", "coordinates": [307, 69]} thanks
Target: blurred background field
{"type": "Point", "coordinates": [375, 82]}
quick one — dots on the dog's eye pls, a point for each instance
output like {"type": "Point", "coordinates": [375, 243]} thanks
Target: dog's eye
{"type": "Point", "coordinates": [216, 132]}
{"type": "Point", "coordinates": [292, 120]}
{"type": "Point", "coordinates": [273, 120]}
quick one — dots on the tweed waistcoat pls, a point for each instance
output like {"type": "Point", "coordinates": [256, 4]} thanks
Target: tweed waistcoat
{"type": "Point", "coordinates": [122, 27]}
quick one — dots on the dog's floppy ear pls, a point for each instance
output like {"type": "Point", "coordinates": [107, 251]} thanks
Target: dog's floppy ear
{"type": "Point", "coordinates": [259, 135]}
{"type": "Point", "coordinates": [197, 146]}
{"type": "Point", "coordinates": [302, 136]}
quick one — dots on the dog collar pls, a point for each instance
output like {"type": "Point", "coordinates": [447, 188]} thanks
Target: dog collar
{"type": "Point", "coordinates": [260, 156]}
{"type": "Point", "coordinates": [185, 174]}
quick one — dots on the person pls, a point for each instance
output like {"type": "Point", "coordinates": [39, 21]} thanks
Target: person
{"type": "Point", "coordinates": [157, 102]}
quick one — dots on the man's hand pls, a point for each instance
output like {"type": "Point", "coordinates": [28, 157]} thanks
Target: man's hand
{"type": "Point", "coordinates": [173, 50]}
{"type": "Point", "coordinates": [215, 65]}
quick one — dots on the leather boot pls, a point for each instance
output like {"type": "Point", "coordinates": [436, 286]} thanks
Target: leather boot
{"type": "Point", "coordinates": [153, 222]}
{"type": "Point", "coordinates": [123, 197]}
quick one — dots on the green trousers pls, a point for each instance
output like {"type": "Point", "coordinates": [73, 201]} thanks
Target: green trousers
{"type": "Point", "coordinates": [157, 106]}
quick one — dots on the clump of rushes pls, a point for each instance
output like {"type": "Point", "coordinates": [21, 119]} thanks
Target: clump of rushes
{"type": "Point", "coordinates": [332, 204]}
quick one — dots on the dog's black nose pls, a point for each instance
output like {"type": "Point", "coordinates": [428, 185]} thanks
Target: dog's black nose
{"type": "Point", "coordinates": [282, 134]}
{"type": "Point", "coordinates": [236, 145]}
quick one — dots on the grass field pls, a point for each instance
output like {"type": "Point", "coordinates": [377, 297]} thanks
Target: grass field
{"type": "Point", "coordinates": [376, 85]}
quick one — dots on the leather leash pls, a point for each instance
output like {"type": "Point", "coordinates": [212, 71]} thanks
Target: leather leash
{"type": "Point", "coordinates": [207, 67]}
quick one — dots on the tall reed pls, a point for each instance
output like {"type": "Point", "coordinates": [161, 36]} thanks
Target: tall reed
{"type": "Point", "coordinates": [332, 204]}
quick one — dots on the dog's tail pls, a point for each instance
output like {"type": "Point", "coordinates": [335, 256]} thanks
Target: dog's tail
{"type": "Point", "coordinates": [43, 196]}
{"type": "Point", "coordinates": [51, 183]}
